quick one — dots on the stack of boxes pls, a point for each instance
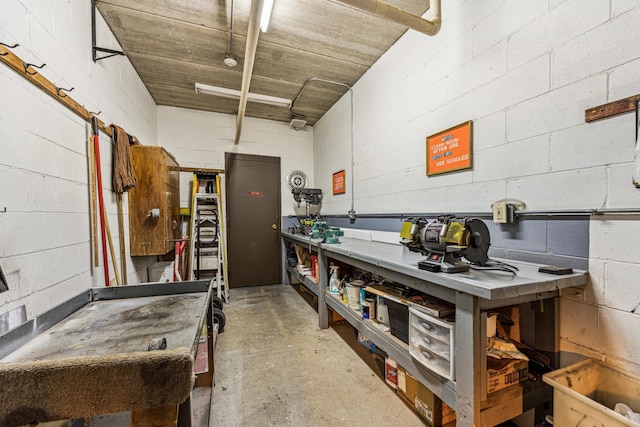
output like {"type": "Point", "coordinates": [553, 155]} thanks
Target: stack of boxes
{"type": "Point", "coordinates": [433, 410]}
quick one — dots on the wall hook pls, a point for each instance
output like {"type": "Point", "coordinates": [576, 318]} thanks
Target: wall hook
{"type": "Point", "coordinates": [27, 65]}
{"type": "Point", "coordinates": [62, 95]}
{"type": "Point", "coordinates": [95, 114]}
{"type": "Point", "coordinates": [9, 47]}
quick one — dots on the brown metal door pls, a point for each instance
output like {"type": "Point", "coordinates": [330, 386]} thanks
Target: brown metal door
{"type": "Point", "coordinates": [253, 219]}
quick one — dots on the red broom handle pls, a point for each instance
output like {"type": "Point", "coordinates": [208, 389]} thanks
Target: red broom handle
{"type": "Point", "coordinates": [96, 147]}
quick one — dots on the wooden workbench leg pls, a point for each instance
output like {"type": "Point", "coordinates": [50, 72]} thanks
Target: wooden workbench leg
{"type": "Point", "coordinates": [547, 327]}
{"type": "Point", "coordinates": [285, 262]}
{"type": "Point", "coordinates": [323, 285]}
{"type": "Point", "coordinates": [207, 378]}
{"type": "Point", "coordinates": [166, 416]}
{"type": "Point", "coordinates": [468, 353]}
{"type": "Point", "coordinates": [184, 413]}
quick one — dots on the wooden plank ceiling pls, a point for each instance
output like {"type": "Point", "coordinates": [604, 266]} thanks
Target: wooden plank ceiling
{"type": "Point", "coordinates": [174, 44]}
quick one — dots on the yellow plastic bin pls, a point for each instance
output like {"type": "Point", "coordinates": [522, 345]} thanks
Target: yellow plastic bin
{"type": "Point", "coordinates": [584, 394]}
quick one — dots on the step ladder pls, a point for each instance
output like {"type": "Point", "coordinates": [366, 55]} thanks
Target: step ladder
{"type": "Point", "coordinates": [207, 246]}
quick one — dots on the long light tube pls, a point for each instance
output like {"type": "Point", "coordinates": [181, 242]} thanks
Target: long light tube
{"type": "Point", "coordinates": [267, 7]}
{"type": "Point", "coordinates": [235, 94]}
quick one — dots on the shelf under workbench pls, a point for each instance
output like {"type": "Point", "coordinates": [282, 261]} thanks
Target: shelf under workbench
{"type": "Point", "coordinates": [471, 292]}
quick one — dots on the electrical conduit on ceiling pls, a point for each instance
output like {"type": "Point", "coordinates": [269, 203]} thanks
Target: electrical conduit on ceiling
{"type": "Point", "coordinates": [386, 11]}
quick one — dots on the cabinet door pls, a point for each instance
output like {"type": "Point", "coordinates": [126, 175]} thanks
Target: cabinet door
{"type": "Point", "coordinates": [158, 188]}
{"type": "Point", "coordinates": [171, 202]}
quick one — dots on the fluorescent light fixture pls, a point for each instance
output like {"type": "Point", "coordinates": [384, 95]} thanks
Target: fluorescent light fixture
{"type": "Point", "coordinates": [235, 94]}
{"type": "Point", "coordinates": [267, 7]}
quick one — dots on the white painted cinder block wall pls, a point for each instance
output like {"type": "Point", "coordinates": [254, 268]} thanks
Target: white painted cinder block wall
{"type": "Point", "coordinates": [524, 72]}
{"type": "Point", "coordinates": [45, 249]}
{"type": "Point", "coordinates": [200, 139]}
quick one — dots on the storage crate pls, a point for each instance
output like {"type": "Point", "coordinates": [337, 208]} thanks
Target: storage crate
{"type": "Point", "coordinates": [586, 393]}
{"type": "Point", "coordinates": [432, 342]}
{"type": "Point", "coordinates": [398, 318]}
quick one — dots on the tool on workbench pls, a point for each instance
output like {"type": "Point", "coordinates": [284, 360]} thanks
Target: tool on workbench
{"type": "Point", "coordinates": [157, 344]}
{"type": "Point", "coordinates": [447, 240]}
{"type": "Point", "coordinates": [328, 234]}
{"type": "Point", "coordinates": [314, 226]}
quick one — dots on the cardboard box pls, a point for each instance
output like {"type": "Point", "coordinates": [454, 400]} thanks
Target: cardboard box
{"type": "Point", "coordinates": [500, 376]}
{"type": "Point", "coordinates": [391, 372]}
{"type": "Point", "coordinates": [428, 405]}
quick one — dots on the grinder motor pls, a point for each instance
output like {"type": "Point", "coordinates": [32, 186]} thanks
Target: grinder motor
{"type": "Point", "coordinates": [446, 241]}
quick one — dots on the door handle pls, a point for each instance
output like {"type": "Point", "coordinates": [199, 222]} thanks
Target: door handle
{"type": "Point", "coordinates": [275, 227]}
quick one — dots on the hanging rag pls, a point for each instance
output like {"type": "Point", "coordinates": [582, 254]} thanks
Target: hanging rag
{"type": "Point", "coordinates": [124, 177]}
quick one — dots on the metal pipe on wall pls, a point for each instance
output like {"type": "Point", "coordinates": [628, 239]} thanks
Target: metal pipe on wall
{"type": "Point", "coordinates": [386, 11]}
{"type": "Point", "coordinates": [253, 32]}
{"type": "Point", "coordinates": [352, 212]}
{"type": "Point", "coordinates": [525, 213]}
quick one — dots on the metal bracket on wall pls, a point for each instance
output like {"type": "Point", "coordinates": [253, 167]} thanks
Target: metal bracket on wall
{"type": "Point", "coordinates": [4, 286]}
{"type": "Point", "coordinates": [96, 49]}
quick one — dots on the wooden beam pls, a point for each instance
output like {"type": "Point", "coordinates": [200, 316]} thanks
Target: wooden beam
{"type": "Point", "coordinates": [611, 109]}
{"type": "Point", "coordinates": [28, 72]}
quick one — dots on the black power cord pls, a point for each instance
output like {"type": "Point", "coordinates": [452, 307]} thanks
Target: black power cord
{"type": "Point", "coordinates": [494, 265]}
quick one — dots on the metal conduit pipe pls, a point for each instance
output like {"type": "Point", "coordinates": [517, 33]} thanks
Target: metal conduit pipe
{"type": "Point", "coordinates": [253, 32]}
{"type": "Point", "coordinates": [352, 212]}
{"type": "Point", "coordinates": [531, 214]}
{"type": "Point", "coordinates": [386, 11]}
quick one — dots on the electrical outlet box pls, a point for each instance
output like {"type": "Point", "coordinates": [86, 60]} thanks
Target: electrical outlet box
{"type": "Point", "coordinates": [500, 212]}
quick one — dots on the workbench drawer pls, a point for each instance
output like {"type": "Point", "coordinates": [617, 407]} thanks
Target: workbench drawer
{"type": "Point", "coordinates": [431, 342]}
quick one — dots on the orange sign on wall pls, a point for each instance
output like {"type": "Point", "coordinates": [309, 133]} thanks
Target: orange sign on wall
{"type": "Point", "coordinates": [449, 150]}
{"type": "Point", "coordinates": [339, 186]}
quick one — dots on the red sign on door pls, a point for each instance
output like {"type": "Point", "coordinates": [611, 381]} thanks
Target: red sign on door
{"type": "Point", "coordinates": [255, 193]}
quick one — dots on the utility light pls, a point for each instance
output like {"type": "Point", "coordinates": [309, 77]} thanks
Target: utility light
{"type": "Point", "coordinates": [267, 7]}
{"type": "Point", "coordinates": [235, 94]}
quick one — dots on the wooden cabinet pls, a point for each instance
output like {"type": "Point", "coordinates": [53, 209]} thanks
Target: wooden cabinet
{"type": "Point", "coordinates": [154, 232]}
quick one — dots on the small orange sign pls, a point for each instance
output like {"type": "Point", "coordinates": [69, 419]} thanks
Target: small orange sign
{"type": "Point", "coordinates": [449, 150]}
{"type": "Point", "coordinates": [339, 185]}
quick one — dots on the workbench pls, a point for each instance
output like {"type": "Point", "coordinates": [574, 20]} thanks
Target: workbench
{"type": "Point", "coordinates": [108, 331]}
{"type": "Point", "coordinates": [473, 293]}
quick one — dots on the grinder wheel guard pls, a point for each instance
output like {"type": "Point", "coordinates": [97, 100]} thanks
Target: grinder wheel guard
{"type": "Point", "coordinates": [477, 239]}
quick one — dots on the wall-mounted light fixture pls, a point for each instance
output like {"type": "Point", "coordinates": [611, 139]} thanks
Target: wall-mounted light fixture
{"type": "Point", "coordinates": [267, 7]}
{"type": "Point", "coordinates": [235, 94]}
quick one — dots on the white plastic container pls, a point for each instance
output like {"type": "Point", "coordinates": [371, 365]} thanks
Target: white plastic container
{"type": "Point", "coordinates": [353, 294]}
{"type": "Point", "coordinates": [431, 342]}
{"type": "Point", "coordinates": [585, 394]}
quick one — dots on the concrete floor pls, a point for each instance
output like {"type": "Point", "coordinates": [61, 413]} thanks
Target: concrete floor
{"type": "Point", "coordinates": [274, 366]}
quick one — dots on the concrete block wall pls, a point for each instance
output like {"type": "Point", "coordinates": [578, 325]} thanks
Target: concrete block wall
{"type": "Point", "coordinates": [524, 72]}
{"type": "Point", "coordinates": [45, 234]}
{"type": "Point", "coordinates": [201, 139]}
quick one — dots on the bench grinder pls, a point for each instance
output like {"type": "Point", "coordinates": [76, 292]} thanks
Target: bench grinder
{"type": "Point", "coordinates": [446, 241]}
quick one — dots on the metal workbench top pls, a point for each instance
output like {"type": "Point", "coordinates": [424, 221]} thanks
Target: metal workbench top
{"type": "Point", "coordinates": [490, 285]}
{"type": "Point", "coordinates": [120, 325]}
